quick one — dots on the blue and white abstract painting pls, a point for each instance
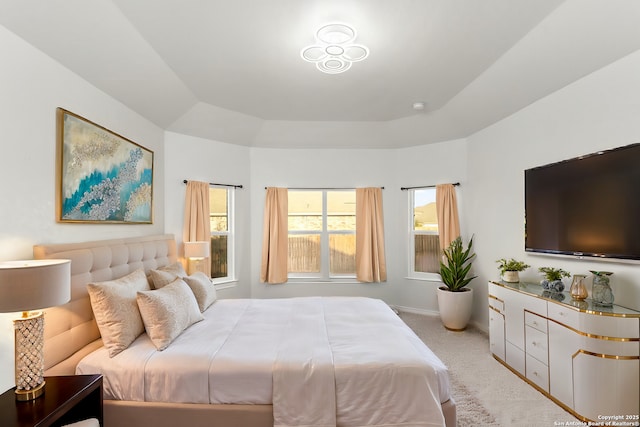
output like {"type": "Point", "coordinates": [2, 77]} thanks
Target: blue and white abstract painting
{"type": "Point", "coordinates": [104, 177]}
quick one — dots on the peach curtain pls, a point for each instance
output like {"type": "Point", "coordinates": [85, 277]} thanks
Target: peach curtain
{"type": "Point", "coordinates": [447, 210]}
{"type": "Point", "coordinates": [197, 225]}
{"type": "Point", "coordinates": [370, 258]}
{"type": "Point", "coordinates": [275, 236]}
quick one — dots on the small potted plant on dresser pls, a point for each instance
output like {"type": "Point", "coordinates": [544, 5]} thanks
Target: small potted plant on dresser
{"type": "Point", "coordinates": [510, 269]}
{"type": "Point", "coordinates": [455, 300]}
{"type": "Point", "coordinates": [553, 278]}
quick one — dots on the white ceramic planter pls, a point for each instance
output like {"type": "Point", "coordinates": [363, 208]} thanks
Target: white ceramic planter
{"type": "Point", "coordinates": [511, 276]}
{"type": "Point", "coordinates": [455, 308]}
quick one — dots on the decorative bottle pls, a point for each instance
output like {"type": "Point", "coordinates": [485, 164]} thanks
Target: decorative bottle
{"type": "Point", "coordinates": [602, 294]}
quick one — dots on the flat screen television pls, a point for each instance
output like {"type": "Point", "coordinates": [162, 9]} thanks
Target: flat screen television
{"type": "Point", "coordinates": [588, 206]}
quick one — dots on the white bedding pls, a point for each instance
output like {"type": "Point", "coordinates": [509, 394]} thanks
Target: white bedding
{"type": "Point", "coordinates": [320, 361]}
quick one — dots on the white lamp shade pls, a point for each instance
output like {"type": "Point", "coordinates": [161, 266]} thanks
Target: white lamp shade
{"type": "Point", "coordinates": [198, 249]}
{"type": "Point", "coordinates": [34, 284]}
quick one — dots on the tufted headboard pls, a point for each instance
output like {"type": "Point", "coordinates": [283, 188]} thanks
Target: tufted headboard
{"type": "Point", "coordinates": [70, 330]}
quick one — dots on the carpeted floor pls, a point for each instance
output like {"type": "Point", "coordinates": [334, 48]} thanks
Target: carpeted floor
{"type": "Point", "coordinates": [486, 393]}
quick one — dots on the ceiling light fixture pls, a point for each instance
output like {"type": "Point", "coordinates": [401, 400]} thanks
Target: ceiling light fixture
{"type": "Point", "coordinates": [334, 51]}
{"type": "Point", "coordinates": [418, 106]}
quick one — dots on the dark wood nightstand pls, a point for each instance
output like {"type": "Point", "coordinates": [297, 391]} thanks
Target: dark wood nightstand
{"type": "Point", "coordinates": [66, 400]}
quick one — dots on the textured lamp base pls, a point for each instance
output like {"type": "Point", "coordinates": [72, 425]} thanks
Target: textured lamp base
{"type": "Point", "coordinates": [194, 265]}
{"type": "Point", "coordinates": [29, 332]}
{"type": "Point", "coordinates": [24, 395]}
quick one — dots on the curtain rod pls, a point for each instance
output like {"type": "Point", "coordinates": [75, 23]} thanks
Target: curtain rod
{"type": "Point", "coordinates": [425, 186]}
{"type": "Point", "coordinates": [220, 185]}
{"type": "Point", "coordinates": [321, 188]}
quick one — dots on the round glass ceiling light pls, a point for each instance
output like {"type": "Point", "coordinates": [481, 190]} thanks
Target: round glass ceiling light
{"type": "Point", "coordinates": [336, 34]}
{"type": "Point", "coordinates": [356, 52]}
{"type": "Point", "coordinates": [334, 51]}
{"type": "Point", "coordinates": [333, 66]}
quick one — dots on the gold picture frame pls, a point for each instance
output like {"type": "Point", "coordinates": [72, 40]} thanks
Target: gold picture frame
{"type": "Point", "coordinates": [101, 177]}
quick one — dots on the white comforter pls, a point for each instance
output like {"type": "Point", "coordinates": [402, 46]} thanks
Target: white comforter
{"type": "Point", "coordinates": [334, 361]}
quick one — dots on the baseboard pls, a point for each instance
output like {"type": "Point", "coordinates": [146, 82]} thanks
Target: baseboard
{"type": "Point", "coordinates": [423, 312]}
{"type": "Point", "coordinates": [415, 310]}
{"type": "Point", "coordinates": [480, 327]}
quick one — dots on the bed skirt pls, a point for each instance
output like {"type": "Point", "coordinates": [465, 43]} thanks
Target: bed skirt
{"type": "Point", "coordinates": [135, 414]}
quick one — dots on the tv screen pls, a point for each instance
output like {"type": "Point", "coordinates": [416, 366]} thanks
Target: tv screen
{"type": "Point", "coordinates": [586, 207]}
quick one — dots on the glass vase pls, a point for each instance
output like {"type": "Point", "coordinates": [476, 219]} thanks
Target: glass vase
{"type": "Point", "coordinates": [578, 290]}
{"type": "Point", "coordinates": [601, 293]}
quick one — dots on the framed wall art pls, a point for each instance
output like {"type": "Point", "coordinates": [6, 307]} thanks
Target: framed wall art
{"type": "Point", "coordinates": [102, 177]}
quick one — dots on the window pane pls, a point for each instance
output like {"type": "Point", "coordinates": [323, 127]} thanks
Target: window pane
{"type": "Point", "coordinates": [305, 210]}
{"type": "Point", "coordinates": [341, 210]}
{"type": "Point", "coordinates": [218, 210]}
{"type": "Point", "coordinates": [342, 258]}
{"type": "Point", "coordinates": [427, 257]}
{"type": "Point", "coordinates": [218, 256]}
{"type": "Point", "coordinates": [304, 253]}
{"type": "Point", "coordinates": [424, 210]}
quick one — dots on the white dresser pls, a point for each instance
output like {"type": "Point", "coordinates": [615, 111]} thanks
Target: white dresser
{"type": "Point", "coordinates": [584, 357]}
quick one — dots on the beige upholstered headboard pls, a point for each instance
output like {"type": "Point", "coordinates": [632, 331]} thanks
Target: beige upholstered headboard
{"type": "Point", "coordinates": [70, 330]}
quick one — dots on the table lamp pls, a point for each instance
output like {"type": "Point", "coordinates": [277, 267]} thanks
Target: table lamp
{"type": "Point", "coordinates": [32, 285]}
{"type": "Point", "coordinates": [195, 252]}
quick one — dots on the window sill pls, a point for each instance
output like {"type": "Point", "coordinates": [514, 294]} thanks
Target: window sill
{"type": "Point", "coordinates": [299, 281]}
{"type": "Point", "coordinates": [434, 278]}
{"type": "Point", "coordinates": [225, 285]}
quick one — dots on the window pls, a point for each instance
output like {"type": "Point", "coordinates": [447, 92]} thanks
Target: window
{"type": "Point", "coordinates": [424, 243]}
{"type": "Point", "coordinates": [322, 234]}
{"type": "Point", "coordinates": [221, 204]}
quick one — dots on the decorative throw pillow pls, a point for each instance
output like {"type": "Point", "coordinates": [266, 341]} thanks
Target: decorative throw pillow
{"type": "Point", "coordinates": [168, 311]}
{"type": "Point", "coordinates": [161, 278]}
{"type": "Point", "coordinates": [175, 268]}
{"type": "Point", "coordinates": [202, 288]}
{"type": "Point", "coordinates": [116, 310]}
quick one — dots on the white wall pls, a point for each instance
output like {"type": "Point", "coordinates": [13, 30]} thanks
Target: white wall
{"type": "Point", "coordinates": [197, 159]}
{"type": "Point", "coordinates": [431, 164]}
{"type": "Point", "coordinates": [32, 86]}
{"type": "Point", "coordinates": [598, 112]}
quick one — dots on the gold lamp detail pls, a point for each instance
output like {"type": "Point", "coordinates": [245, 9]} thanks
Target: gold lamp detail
{"type": "Point", "coordinates": [25, 286]}
{"type": "Point", "coordinates": [195, 252]}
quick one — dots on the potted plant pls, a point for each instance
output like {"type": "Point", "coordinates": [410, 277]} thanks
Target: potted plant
{"type": "Point", "coordinates": [553, 278]}
{"type": "Point", "coordinates": [455, 300]}
{"type": "Point", "coordinates": [509, 269]}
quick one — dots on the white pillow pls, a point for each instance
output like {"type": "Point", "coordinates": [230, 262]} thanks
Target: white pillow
{"type": "Point", "coordinates": [116, 310]}
{"type": "Point", "coordinates": [161, 278]}
{"type": "Point", "coordinates": [165, 275]}
{"type": "Point", "coordinates": [168, 311]}
{"type": "Point", "coordinates": [202, 288]}
{"type": "Point", "coordinates": [175, 268]}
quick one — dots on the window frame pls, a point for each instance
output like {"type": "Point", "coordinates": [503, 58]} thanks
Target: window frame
{"type": "Point", "coordinates": [231, 237]}
{"type": "Point", "coordinates": [411, 237]}
{"type": "Point", "coordinates": [325, 251]}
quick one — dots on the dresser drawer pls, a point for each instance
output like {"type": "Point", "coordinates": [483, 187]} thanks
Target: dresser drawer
{"type": "Point", "coordinates": [609, 326]}
{"type": "Point", "coordinates": [537, 373]}
{"type": "Point", "coordinates": [496, 303]}
{"type": "Point", "coordinates": [535, 321]}
{"type": "Point", "coordinates": [564, 315]}
{"type": "Point", "coordinates": [537, 344]}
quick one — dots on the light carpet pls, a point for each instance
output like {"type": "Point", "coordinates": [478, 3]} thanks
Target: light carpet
{"type": "Point", "coordinates": [486, 392]}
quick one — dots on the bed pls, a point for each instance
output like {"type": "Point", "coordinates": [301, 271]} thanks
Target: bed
{"type": "Point", "coordinates": [256, 364]}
